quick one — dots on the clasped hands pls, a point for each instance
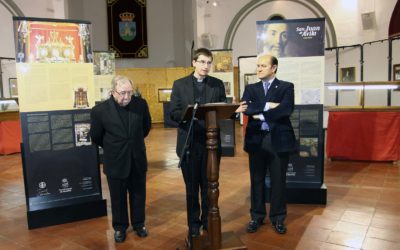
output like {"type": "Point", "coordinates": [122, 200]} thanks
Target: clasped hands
{"type": "Point", "coordinates": [243, 107]}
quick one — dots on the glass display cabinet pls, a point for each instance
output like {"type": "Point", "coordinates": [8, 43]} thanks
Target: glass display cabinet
{"type": "Point", "coordinates": [362, 95]}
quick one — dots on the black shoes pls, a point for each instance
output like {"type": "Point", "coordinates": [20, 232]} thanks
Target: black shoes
{"type": "Point", "coordinates": [195, 231]}
{"type": "Point", "coordinates": [119, 236]}
{"type": "Point", "coordinates": [141, 231]}
{"type": "Point", "coordinates": [205, 227]}
{"type": "Point", "coordinates": [253, 226]}
{"type": "Point", "coordinates": [279, 227]}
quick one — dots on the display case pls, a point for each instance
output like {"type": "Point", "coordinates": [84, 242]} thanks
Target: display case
{"type": "Point", "coordinates": [9, 104]}
{"type": "Point", "coordinates": [363, 120]}
{"type": "Point", "coordinates": [362, 95]}
{"type": "Point", "coordinates": [9, 109]}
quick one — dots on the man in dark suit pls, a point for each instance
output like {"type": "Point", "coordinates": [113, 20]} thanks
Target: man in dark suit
{"type": "Point", "coordinates": [199, 88]}
{"type": "Point", "coordinates": [119, 125]}
{"type": "Point", "coordinates": [269, 140]}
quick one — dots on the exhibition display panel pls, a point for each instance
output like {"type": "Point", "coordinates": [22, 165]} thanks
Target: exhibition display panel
{"type": "Point", "coordinates": [54, 62]}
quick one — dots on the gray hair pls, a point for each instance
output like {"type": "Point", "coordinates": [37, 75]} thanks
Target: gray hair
{"type": "Point", "coordinates": [118, 79]}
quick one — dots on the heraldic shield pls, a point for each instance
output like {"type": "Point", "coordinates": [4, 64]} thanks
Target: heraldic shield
{"type": "Point", "coordinates": [127, 30]}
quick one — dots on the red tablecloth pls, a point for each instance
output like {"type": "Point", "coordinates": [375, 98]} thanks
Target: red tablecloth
{"type": "Point", "coordinates": [372, 136]}
{"type": "Point", "coordinates": [10, 137]}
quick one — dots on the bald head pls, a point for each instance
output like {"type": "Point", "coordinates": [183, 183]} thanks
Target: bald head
{"type": "Point", "coordinates": [267, 65]}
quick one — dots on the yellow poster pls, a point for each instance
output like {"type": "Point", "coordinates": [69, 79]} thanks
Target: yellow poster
{"type": "Point", "coordinates": [54, 65]}
{"type": "Point", "coordinates": [48, 87]}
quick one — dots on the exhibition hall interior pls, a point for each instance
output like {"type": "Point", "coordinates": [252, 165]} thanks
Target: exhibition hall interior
{"type": "Point", "coordinates": [117, 107]}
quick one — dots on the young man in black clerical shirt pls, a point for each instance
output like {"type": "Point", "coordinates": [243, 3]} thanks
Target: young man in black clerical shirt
{"type": "Point", "coordinates": [200, 88]}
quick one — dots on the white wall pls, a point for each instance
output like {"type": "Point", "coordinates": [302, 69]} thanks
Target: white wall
{"type": "Point", "coordinates": [345, 15]}
{"type": "Point", "coordinates": [169, 26]}
{"type": "Point", "coordinates": [173, 24]}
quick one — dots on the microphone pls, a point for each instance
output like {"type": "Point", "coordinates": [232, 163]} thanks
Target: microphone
{"type": "Point", "coordinates": [196, 103]}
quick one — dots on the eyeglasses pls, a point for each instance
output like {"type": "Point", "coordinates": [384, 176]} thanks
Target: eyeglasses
{"type": "Point", "coordinates": [202, 62]}
{"type": "Point", "coordinates": [124, 93]}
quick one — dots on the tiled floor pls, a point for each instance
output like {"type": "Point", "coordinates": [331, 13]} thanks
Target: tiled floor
{"type": "Point", "coordinates": [363, 210]}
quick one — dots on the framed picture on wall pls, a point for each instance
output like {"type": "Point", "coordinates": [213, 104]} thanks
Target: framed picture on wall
{"type": "Point", "coordinates": [250, 78]}
{"type": "Point", "coordinates": [396, 72]}
{"type": "Point", "coordinates": [348, 74]}
{"type": "Point", "coordinates": [164, 95]}
{"type": "Point", "coordinates": [13, 87]}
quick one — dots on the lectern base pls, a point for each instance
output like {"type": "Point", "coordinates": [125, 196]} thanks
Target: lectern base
{"type": "Point", "coordinates": [230, 241]}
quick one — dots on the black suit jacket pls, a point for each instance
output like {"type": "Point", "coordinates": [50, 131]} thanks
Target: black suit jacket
{"type": "Point", "coordinates": [121, 144]}
{"type": "Point", "coordinates": [183, 95]}
{"type": "Point", "coordinates": [282, 134]}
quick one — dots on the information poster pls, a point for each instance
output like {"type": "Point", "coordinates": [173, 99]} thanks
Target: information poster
{"type": "Point", "coordinates": [299, 46]}
{"type": "Point", "coordinates": [306, 165]}
{"type": "Point", "coordinates": [60, 160]}
{"type": "Point", "coordinates": [54, 64]}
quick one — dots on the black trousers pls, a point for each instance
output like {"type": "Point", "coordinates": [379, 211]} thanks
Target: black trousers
{"type": "Point", "coordinates": [263, 160]}
{"type": "Point", "coordinates": [194, 171]}
{"type": "Point", "coordinates": [135, 186]}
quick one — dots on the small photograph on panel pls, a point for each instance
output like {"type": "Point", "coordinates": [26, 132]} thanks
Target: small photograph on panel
{"type": "Point", "coordinates": [82, 136]}
{"type": "Point", "coordinates": [308, 147]}
{"type": "Point", "coordinates": [80, 98]}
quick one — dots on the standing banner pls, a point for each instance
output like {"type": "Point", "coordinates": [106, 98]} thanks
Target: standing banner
{"type": "Point", "coordinates": [56, 91]}
{"type": "Point", "coordinates": [127, 28]}
{"type": "Point", "coordinates": [299, 46]}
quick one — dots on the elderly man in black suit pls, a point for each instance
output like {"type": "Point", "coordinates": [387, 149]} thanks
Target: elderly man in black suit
{"type": "Point", "coordinates": [269, 140]}
{"type": "Point", "coordinates": [119, 125]}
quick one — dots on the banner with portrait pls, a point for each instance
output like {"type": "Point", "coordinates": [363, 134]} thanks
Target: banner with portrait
{"type": "Point", "coordinates": [127, 28]}
{"type": "Point", "coordinates": [54, 68]}
{"type": "Point", "coordinates": [299, 45]}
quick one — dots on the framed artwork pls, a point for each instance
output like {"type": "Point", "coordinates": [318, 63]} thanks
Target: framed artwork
{"type": "Point", "coordinates": [396, 72]}
{"type": "Point", "coordinates": [13, 87]}
{"type": "Point", "coordinates": [250, 78]}
{"type": "Point", "coordinates": [104, 63]}
{"type": "Point", "coordinates": [222, 61]}
{"type": "Point", "coordinates": [164, 95]}
{"type": "Point", "coordinates": [348, 74]}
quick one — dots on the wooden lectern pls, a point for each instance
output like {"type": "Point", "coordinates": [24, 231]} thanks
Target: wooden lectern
{"type": "Point", "coordinates": [211, 113]}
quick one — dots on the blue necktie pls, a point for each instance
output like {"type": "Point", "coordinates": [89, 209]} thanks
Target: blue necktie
{"type": "Point", "coordinates": [264, 125]}
{"type": "Point", "coordinates": [266, 85]}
